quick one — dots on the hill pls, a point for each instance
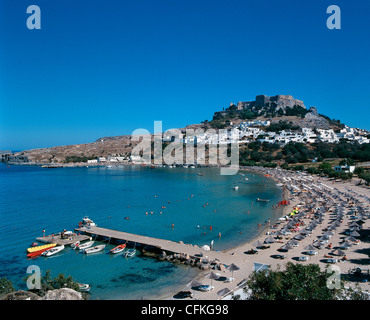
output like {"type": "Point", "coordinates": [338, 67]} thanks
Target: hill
{"type": "Point", "coordinates": [283, 112]}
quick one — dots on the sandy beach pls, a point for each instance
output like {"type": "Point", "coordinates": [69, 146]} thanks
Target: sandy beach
{"type": "Point", "coordinates": [328, 213]}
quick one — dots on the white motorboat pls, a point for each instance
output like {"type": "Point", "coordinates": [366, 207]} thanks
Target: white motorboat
{"type": "Point", "coordinates": [84, 287]}
{"type": "Point", "coordinates": [88, 222]}
{"type": "Point", "coordinates": [52, 251]}
{"type": "Point", "coordinates": [236, 187]}
{"type": "Point", "coordinates": [85, 245]}
{"type": "Point", "coordinates": [95, 249]}
{"type": "Point", "coordinates": [130, 253]}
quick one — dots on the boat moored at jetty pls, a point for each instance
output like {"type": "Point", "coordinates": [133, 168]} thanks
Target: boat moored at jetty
{"type": "Point", "coordinates": [94, 249]}
{"type": "Point", "coordinates": [85, 245]}
{"type": "Point", "coordinates": [130, 253]}
{"type": "Point", "coordinates": [118, 249]}
{"type": "Point", "coordinates": [87, 222]}
{"type": "Point", "coordinates": [52, 251]}
{"type": "Point", "coordinates": [37, 253]}
{"type": "Point", "coordinates": [75, 245]}
{"type": "Point", "coordinates": [39, 248]}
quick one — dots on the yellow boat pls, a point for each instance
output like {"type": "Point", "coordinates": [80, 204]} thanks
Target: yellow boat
{"type": "Point", "coordinates": [38, 248]}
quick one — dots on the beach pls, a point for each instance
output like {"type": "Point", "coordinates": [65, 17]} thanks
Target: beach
{"type": "Point", "coordinates": [325, 206]}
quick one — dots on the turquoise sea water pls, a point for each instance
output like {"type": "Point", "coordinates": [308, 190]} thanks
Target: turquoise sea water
{"type": "Point", "coordinates": [34, 198]}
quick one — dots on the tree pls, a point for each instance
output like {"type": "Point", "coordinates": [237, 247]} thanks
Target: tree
{"type": "Point", "coordinates": [48, 283]}
{"type": "Point", "coordinates": [365, 176]}
{"type": "Point", "coordinates": [6, 286]}
{"type": "Point", "coordinates": [297, 282]}
{"type": "Point", "coordinates": [247, 115]}
{"type": "Point", "coordinates": [348, 162]}
{"type": "Point", "coordinates": [359, 170]}
{"type": "Point", "coordinates": [325, 166]}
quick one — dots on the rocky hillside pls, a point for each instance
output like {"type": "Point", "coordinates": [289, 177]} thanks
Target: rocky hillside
{"type": "Point", "coordinates": [57, 294]}
{"type": "Point", "coordinates": [101, 148]}
{"type": "Point", "coordinates": [275, 109]}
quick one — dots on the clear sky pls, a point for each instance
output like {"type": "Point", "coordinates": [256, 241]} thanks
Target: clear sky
{"type": "Point", "coordinates": [102, 68]}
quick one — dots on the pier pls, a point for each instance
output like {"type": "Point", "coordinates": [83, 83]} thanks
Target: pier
{"type": "Point", "coordinates": [57, 238]}
{"type": "Point", "coordinates": [155, 244]}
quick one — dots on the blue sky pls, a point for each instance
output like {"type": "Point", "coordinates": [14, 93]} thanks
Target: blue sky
{"type": "Point", "coordinates": [102, 68]}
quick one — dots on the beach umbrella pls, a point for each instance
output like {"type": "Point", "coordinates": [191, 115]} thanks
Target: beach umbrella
{"type": "Point", "coordinates": [269, 240]}
{"type": "Point", "coordinates": [258, 244]}
{"type": "Point", "coordinates": [195, 283]}
{"type": "Point", "coordinates": [337, 223]}
{"type": "Point", "coordinates": [292, 242]}
{"type": "Point", "coordinates": [223, 292]}
{"type": "Point", "coordinates": [355, 234]}
{"type": "Point", "coordinates": [351, 238]}
{"type": "Point", "coordinates": [313, 224]}
{"type": "Point", "coordinates": [286, 247]}
{"type": "Point", "coordinates": [329, 233]}
{"type": "Point", "coordinates": [339, 252]}
{"type": "Point", "coordinates": [298, 237]}
{"type": "Point", "coordinates": [346, 245]}
{"type": "Point", "coordinates": [232, 267]}
{"type": "Point", "coordinates": [353, 224]}
{"type": "Point", "coordinates": [355, 229]}
{"type": "Point", "coordinates": [213, 276]}
{"type": "Point", "coordinates": [310, 247]}
{"type": "Point", "coordinates": [317, 244]}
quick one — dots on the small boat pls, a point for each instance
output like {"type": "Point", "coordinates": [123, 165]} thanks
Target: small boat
{"type": "Point", "coordinates": [94, 249]}
{"type": "Point", "coordinates": [88, 222]}
{"type": "Point", "coordinates": [200, 174]}
{"type": "Point", "coordinates": [130, 253]}
{"type": "Point", "coordinates": [262, 200]}
{"type": "Point", "coordinates": [52, 251]}
{"type": "Point", "coordinates": [36, 253]}
{"type": "Point", "coordinates": [75, 245]}
{"type": "Point", "coordinates": [85, 245]}
{"type": "Point", "coordinates": [84, 287]}
{"type": "Point", "coordinates": [34, 244]}
{"type": "Point", "coordinates": [236, 188]}
{"type": "Point", "coordinates": [40, 251]}
{"type": "Point", "coordinates": [38, 248]}
{"type": "Point", "coordinates": [118, 249]}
